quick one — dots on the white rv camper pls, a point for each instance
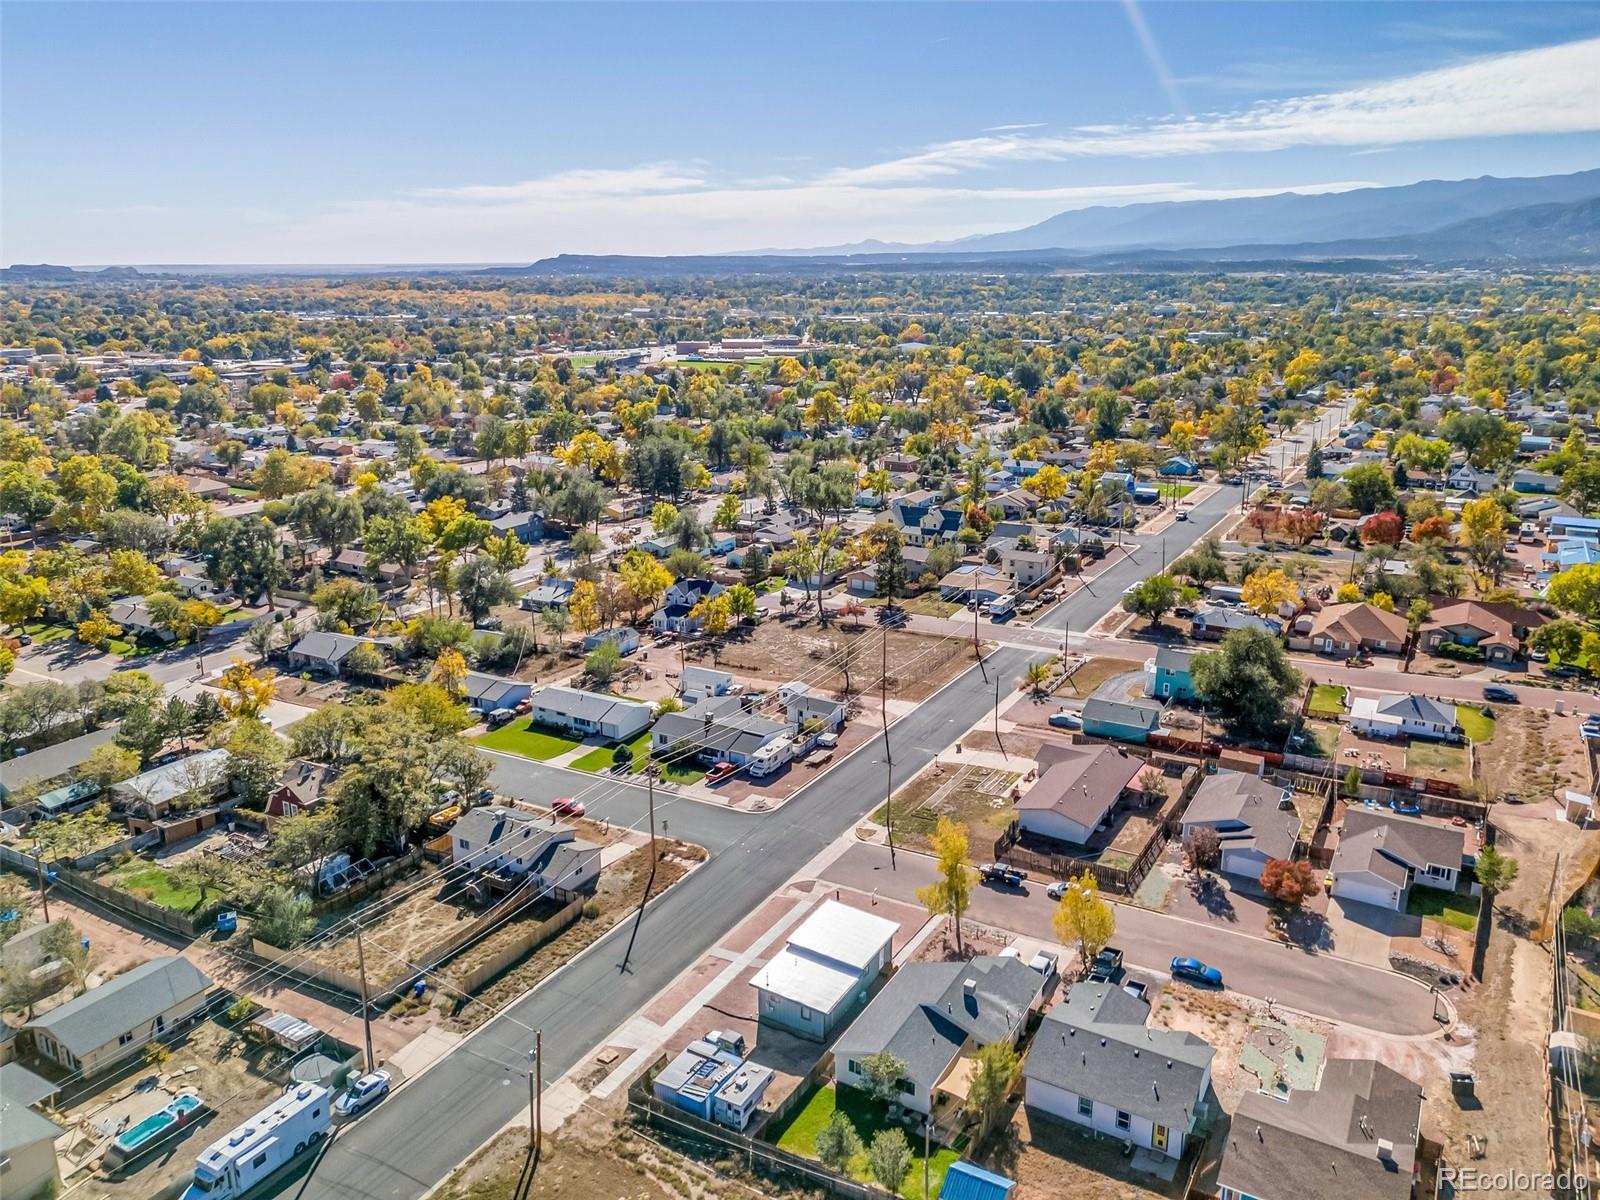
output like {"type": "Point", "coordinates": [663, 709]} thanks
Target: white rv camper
{"type": "Point", "coordinates": [273, 1138]}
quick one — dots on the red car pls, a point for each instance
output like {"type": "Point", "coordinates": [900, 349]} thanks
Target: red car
{"type": "Point", "coordinates": [567, 807]}
{"type": "Point", "coordinates": [720, 771]}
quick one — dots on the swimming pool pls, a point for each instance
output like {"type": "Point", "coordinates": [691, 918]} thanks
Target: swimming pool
{"type": "Point", "coordinates": [131, 1141]}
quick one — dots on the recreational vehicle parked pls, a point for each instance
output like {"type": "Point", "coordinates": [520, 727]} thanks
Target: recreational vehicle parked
{"type": "Point", "coordinates": [273, 1138]}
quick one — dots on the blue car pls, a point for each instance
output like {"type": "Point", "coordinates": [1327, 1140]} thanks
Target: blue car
{"type": "Point", "coordinates": [1406, 810]}
{"type": "Point", "coordinates": [1196, 971]}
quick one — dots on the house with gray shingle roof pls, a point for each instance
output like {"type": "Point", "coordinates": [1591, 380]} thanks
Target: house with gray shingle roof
{"type": "Point", "coordinates": [1096, 1061]}
{"type": "Point", "coordinates": [930, 1016]}
{"type": "Point", "coordinates": [590, 714]}
{"type": "Point", "coordinates": [112, 1022]}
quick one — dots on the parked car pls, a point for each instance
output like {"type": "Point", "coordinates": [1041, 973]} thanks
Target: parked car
{"type": "Point", "coordinates": [1196, 971]}
{"type": "Point", "coordinates": [1057, 889]}
{"type": "Point", "coordinates": [1002, 874]}
{"type": "Point", "coordinates": [1045, 962]}
{"type": "Point", "coordinates": [500, 716]}
{"type": "Point", "coordinates": [1499, 694]}
{"type": "Point", "coordinates": [1563, 672]}
{"type": "Point", "coordinates": [1183, 514]}
{"type": "Point", "coordinates": [1589, 730]}
{"type": "Point", "coordinates": [567, 807]}
{"type": "Point", "coordinates": [1404, 809]}
{"type": "Point", "coordinates": [1107, 965]}
{"type": "Point", "coordinates": [720, 770]}
{"type": "Point", "coordinates": [1066, 720]}
{"type": "Point", "coordinates": [362, 1094]}
{"type": "Point", "coordinates": [1538, 655]}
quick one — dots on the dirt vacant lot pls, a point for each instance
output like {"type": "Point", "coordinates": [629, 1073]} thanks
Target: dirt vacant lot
{"type": "Point", "coordinates": [778, 651]}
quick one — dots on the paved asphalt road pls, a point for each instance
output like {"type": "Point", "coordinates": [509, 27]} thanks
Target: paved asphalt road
{"type": "Point", "coordinates": [416, 1137]}
{"type": "Point", "coordinates": [1309, 983]}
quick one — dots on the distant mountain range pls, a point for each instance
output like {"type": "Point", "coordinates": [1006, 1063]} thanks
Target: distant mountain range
{"type": "Point", "coordinates": [1283, 219]}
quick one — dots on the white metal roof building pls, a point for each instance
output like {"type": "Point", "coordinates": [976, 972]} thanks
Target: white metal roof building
{"type": "Point", "coordinates": [824, 970]}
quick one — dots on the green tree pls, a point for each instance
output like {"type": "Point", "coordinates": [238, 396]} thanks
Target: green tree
{"type": "Point", "coordinates": [994, 1072]}
{"type": "Point", "coordinates": [881, 1074]}
{"type": "Point", "coordinates": [603, 662]}
{"type": "Point", "coordinates": [258, 759]}
{"type": "Point", "coordinates": [283, 919]}
{"type": "Point", "coordinates": [1082, 917]}
{"type": "Point", "coordinates": [1152, 598]}
{"type": "Point", "coordinates": [838, 1143]}
{"type": "Point", "coordinates": [1495, 871]}
{"type": "Point", "coordinates": [1369, 487]}
{"type": "Point", "coordinates": [891, 568]}
{"type": "Point", "coordinates": [1248, 680]}
{"type": "Point", "coordinates": [889, 1158]}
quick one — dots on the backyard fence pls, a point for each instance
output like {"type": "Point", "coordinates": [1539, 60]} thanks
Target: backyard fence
{"type": "Point", "coordinates": [762, 1157]}
{"type": "Point", "coordinates": [526, 943]}
{"type": "Point", "coordinates": [122, 903]}
{"type": "Point", "coordinates": [1123, 880]}
{"type": "Point", "coordinates": [369, 884]}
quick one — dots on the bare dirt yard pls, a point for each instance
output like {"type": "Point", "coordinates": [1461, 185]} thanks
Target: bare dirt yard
{"type": "Point", "coordinates": [974, 796]}
{"type": "Point", "coordinates": [780, 650]}
{"type": "Point", "coordinates": [1535, 753]}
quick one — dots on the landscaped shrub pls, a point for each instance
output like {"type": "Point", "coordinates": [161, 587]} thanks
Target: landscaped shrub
{"type": "Point", "coordinates": [1460, 653]}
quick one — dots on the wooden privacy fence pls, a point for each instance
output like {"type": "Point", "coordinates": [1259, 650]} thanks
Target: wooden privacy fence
{"type": "Point", "coordinates": [122, 903]}
{"type": "Point", "coordinates": [1124, 881]}
{"type": "Point", "coordinates": [525, 943]}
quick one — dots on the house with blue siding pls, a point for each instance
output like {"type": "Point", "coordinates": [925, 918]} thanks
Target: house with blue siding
{"type": "Point", "coordinates": [824, 971]}
{"type": "Point", "coordinates": [1121, 720]}
{"type": "Point", "coordinates": [1169, 674]}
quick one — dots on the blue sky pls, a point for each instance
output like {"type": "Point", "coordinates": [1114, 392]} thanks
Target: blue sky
{"type": "Point", "coordinates": [378, 132]}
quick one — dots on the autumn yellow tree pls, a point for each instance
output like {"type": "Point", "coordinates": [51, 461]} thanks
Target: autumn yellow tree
{"type": "Point", "coordinates": [948, 894]}
{"type": "Point", "coordinates": [1266, 590]}
{"type": "Point", "coordinates": [1482, 534]}
{"type": "Point", "coordinates": [646, 579]}
{"type": "Point", "coordinates": [714, 614]}
{"type": "Point", "coordinates": [1049, 482]}
{"type": "Point", "coordinates": [1083, 917]}
{"type": "Point", "coordinates": [97, 629]}
{"type": "Point", "coordinates": [246, 692]}
{"type": "Point", "coordinates": [584, 605]}
{"type": "Point", "coordinates": [450, 671]}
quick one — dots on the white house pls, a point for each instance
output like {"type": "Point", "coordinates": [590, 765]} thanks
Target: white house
{"type": "Point", "coordinates": [680, 600]}
{"type": "Point", "coordinates": [702, 683]}
{"type": "Point", "coordinates": [802, 703]}
{"type": "Point", "coordinates": [1381, 855]}
{"type": "Point", "coordinates": [590, 714]}
{"type": "Point", "coordinates": [521, 843]}
{"type": "Point", "coordinates": [1096, 1061]}
{"type": "Point", "coordinates": [824, 970]}
{"type": "Point", "coordinates": [1392, 715]}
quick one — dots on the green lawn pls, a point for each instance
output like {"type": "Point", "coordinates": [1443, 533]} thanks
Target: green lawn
{"type": "Point", "coordinates": [599, 759]}
{"type": "Point", "coordinates": [152, 883]}
{"type": "Point", "coordinates": [1479, 727]}
{"type": "Point", "coordinates": [520, 737]}
{"type": "Point", "coordinates": [799, 1136]}
{"type": "Point", "coordinates": [43, 635]}
{"type": "Point", "coordinates": [1437, 760]}
{"type": "Point", "coordinates": [1460, 912]}
{"type": "Point", "coordinates": [1327, 700]}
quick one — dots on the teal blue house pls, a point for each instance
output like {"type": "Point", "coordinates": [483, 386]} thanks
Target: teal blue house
{"type": "Point", "coordinates": [1169, 674]}
{"type": "Point", "coordinates": [1121, 720]}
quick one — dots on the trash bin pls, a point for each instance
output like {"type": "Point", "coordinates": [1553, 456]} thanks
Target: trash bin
{"type": "Point", "coordinates": [1462, 1083]}
{"type": "Point", "coordinates": [227, 921]}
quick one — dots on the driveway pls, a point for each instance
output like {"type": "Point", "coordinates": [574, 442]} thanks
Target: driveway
{"type": "Point", "coordinates": [1362, 931]}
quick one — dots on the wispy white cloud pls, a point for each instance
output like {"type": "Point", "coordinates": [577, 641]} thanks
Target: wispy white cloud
{"type": "Point", "coordinates": [1014, 128]}
{"type": "Point", "coordinates": [1553, 89]}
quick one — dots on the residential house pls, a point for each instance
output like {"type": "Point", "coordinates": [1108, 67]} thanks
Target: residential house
{"type": "Point", "coordinates": [526, 527]}
{"type": "Point", "coordinates": [1097, 1061]}
{"type": "Point", "coordinates": [590, 714]}
{"type": "Point", "coordinates": [801, 703]}
{"type": "Point", "coordinates": [301, 788]}
{"type": "Point", "coordinates": [1016, 503]}
{"type": "Point", "coordinates": [698, 683]}
{"type": "Point", "coordinates": [1349, 629]}
{"type": "Point", "coordinates": [931, 1016]}
{"type": "Point", "coordinates": [1211, 623]}
{"type": "Point", "coordinates": [196, 587]}
{"type": "Point", "coordinates": [485, 693]}
{"type": "Point", "coordinates": [824, 971]}
{"type": "Point", "coordinates": [1469, 479]}
{"type": "Point", "coordinates": [1254, 819]}
{"type": "Point", "coordinates": [95, 1031]}
{"type": "Point", "coordinates": [1469, 623]}
{"type": "Point", "coordinates": [1026, 567]}
{"type": "Point", "coordinates": [722, 729]}
{"type": "Point", "coordinates": [133, 614]}
{"type": "Point", "coordinates": [1380, 856]}
{"type": "Point", "coordinates": [27, 1139]}
{"type": "Point", "coordinates": [205, 487]}
{"type": "Point", "coordinates": [321, 652]}
{"type": "Point", "coordinates": [1538, 482]}
{"type": "Point", "coordinates": [52, 762]}
{"type": "Point", "coordinates": [1169, 674]}
{"type": "Point", "coordinates": [1179, 467]}
{"type": "Point", "coordinates": [624, 637]}
{"type": "Point", "coordinates": [711, 1079]}
{"type": "Point", "coordinates": [206, 775]}
{"type": "Point", "coordinates": [1354, 1134]}
{"type": "Point", "coordinates": [1396, 715]}
{"type": "Point", "coordinates": [552, 592]}
{"type": "Point", "coordinates": [1578, 527]}
{"type": "Point", "coordinates": [921, 521]}
{"type": "Point", "coordinates": [358, 564]}
{"type": "Point", "coordinates": [676, 612]}
{"type": "Point", "coordinates": [1076, 790]}
{"type": "Point", "coordinates": [524, 845]}
{"type": "Point", "coordinates": [971, 581]}
{"type": "Point", "coordinates": [1123, 720]}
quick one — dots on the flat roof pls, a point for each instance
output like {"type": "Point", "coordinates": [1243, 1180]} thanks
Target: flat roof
{"type": "Point", "coordinates": [844, 934]}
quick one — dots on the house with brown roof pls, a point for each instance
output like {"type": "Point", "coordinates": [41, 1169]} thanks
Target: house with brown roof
{"type": "Point", "coordinates": [1381, 855]}
{"type": "Point", "coordinates": [1473, 623]}
{"type": "Point", "coordinates": [1347, 629]}
{"type": "Point", "coordinates": [1076, 790]}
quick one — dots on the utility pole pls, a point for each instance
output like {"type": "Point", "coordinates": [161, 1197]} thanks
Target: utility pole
{"type": "Point", "coordinates": [644, 898]}
{"type": "Point", "coordinates": [536, 1096]}
{"type": "Point", "coordinates": [44, 892]}
{"type": "Point", "coordinates": [997, 740]}
{"type": "Point", "coordinates": [888, 758]}
{"type": "Point", "coordinates": [366, 1011]}
{"type": "Point", "coordinates": [927, 1124]}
